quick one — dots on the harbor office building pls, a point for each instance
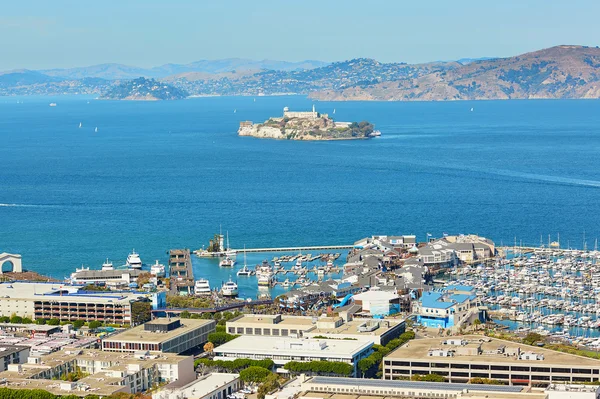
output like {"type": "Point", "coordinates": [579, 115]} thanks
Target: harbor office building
{"type": "Point", "coordinates": [284, 350]}
{"type": "Point", "coordinates": [461, 358]}
{"type": "Point", "coordinates": [163, 335]}
{"type": "Point", "coordinates": [445, 309]}
{"type": "Point", "coordinates": [66, 302]}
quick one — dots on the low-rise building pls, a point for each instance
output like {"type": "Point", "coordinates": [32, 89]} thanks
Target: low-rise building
{"type": "Point", "coordinates": [12, 354]}
{"type": "Point", "coordinates": [284, 350]}
{"type": "Point", "coordinates": [161, 335]}
{"type": "Point", "coordinates": [210, 386]}
{"type": "Point", "coordinates": [109, 373]}
{"type": "Point", "coordinates": [444, 309]}
{"type": "Point", "coordinates": [376, 331]}
{"type": "Point", "coordinates": [378, 302]}
{"type": "Point", "coordinates": [461, 358]}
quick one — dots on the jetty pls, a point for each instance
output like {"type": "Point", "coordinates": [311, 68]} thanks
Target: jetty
{"type": "Point", "coordinates": [296, 249]}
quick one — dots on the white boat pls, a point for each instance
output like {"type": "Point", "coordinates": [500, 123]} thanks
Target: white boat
{"type": "Point", "coordinates": [96, 130]}
{"type": "Point", "coordinates": [229, 288]}
{"type": "Point", "coordinates": [82, 269]}
{"type": "Point", "coordinates": [80, 125]}
{"type": "Point", "coordinates": [53, 104]}
{"type": "Point", "coordinates": [227, 262]}
{"type": "Point", "coordinates": [375, 133]}
{"type": "Point", "coordinates": [107, 265]}
{"type": "Point", "coordinates": [244, 271]}
{"type": "Point", "coordinates": [133, 260]}
{"type": "Point", "coordinates": [157, 269]}
{"type": "Point", "coordinates": [202, 287]}
{"type": "Point", "coordinates": [266, 280]}
{"type": "Point", "coordinates": [298, 264]}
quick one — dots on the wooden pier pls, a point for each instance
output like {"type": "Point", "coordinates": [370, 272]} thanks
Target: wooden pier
{"type": "Point", "coordinates": [296, 249]}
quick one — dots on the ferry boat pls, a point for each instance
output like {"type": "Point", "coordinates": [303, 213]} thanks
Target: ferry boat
{"type": "Point", "coordinates": [107, 265]}
{"type": "Point", "coordinates": [229, 288]}
{"type": "Point", "coordinates": [157, 269]}
{"type": "Point", "coordinates": [227, 262]}
{"type": "Point", "coordinates": [202, 287]}
{"type": "Point", "coordinates": [266, 280]}
{"type": "Point", "coordinates": [134, 261]}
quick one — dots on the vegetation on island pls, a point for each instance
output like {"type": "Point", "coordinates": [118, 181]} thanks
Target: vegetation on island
{"type": "Point", "coordinates": [143, 89]}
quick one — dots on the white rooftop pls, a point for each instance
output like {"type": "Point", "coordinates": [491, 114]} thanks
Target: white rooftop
{"type": "Point", "coordinates": [198, 388]}
{"type": "Point", "coordinates": [60, 292]}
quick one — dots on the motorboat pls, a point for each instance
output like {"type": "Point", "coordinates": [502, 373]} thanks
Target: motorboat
{"type": "Point", "coordinates": [134, 261]}
{"type": "Point", "coordinates": [157, 269]}
{"type": "Point", "coordinates": [202, 287]}
{"type": "Point", "coordinates": [227, 262]}
{"type": "Point", "coordinates": [230, 288]}
{"type": "Point", "coordinates": [266, 279]}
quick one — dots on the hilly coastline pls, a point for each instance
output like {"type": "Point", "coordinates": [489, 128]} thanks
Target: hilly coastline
{"type": "Point", "coordinates": [557, 72]}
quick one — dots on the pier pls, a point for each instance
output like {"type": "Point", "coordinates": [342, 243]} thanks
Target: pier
{"type": "Point", "coordinates": [296, 249]}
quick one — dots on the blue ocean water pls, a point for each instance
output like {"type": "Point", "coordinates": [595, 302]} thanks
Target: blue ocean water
{"type": "Point", "coordinates": [160, 175]}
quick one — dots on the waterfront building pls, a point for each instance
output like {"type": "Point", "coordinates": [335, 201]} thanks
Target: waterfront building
{"type": "Point", "coordinates": [164, 335]}
{"type": "Point", "coordinates": [65, 302]}
{"type": "Point", "coordinates": [109, 373]}
{"type": "Point", "coordinates": [117, 277]}
{"type": "Point", "coordinates": [283, 350]}
{"type": "Point", "coordinates": [375, 331]}
{"type": "Point", "coordinates": [378, 302]}
{"type": "Point", "coordinates": [210, 386]}
{"type": "Point", "coordinates": [453, 250]}
{"type": "Point", "coordinates": [446, 309]}
{"type": "Point", "coordinates": [460, 358]}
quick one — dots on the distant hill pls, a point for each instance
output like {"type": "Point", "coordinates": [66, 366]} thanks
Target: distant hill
{"type": "Point", "coordinates": [23, 77]}
{"type": "Point", "coordinates": [120, 71]}
{"type": "Point", "coordinates": [143, 89]}
{"type": "Point", "coordinates": [557, 72]}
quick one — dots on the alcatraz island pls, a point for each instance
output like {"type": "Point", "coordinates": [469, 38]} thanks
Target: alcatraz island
{"type": "Point", "coordinates": [310, 125]}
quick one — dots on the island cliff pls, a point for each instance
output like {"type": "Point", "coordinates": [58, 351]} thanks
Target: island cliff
{"type": "Point", "coordinates": [307, 126]}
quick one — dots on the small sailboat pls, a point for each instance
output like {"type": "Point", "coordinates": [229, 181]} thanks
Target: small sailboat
{"type": "Point", "coordinates": [234, 111]}
{"type": "Point", "coordinates": [80, 125]}
{"type": "Point", "coordinates": [96, 130]}
{"type": "Point", "coordinates": [334, 110]}
{"type": "Point", "coordinates": [53, 104]}
{"type": "Point", "coordinates": [471, 109]}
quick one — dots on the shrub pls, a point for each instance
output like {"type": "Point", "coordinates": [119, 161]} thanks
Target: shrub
{"type": "Point", "coordinates": [254, 374]}
{"type": "Point", "coordinates": [16, 319]}
{"type": "Point", "coordinates": [53, 322]}
{"type": "Point", "coordinates": [320, 367]}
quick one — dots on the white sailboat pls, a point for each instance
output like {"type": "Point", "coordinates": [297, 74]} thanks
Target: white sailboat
{"type": "Point", "coordinates": [234, 111]}
{"type": "Point", "coordinates": [96, 130]}
{"type": "Point", "coordinates": [471, 109]}
{"type": "Point", "coordinates": [245, 271]}
{"type": "Point", "coordinates": [334, 111]}
{"type": "Point", "coordinates": [80, 125]}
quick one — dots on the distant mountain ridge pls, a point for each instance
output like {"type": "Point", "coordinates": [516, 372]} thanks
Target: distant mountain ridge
{"type": "Point", "coordinates": [565, 71]}
{"type": "Point", "coordinates": [120, 71]}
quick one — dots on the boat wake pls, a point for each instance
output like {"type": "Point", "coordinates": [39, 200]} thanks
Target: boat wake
{"type": "Point", "coordinates": [25, 206]}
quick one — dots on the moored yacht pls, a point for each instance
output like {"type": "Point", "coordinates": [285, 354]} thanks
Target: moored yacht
{"type": "Point", "coordinates": [134, 261]}
{"type": "Point", "coordinates": [157, 269]}
{"type": "Point", "coordinates": [107, 265]}
{"type": "Point", "coordinates": [229, 288]}
{"type": "Point", "coordinates": [202, 287]}
{"type": "Point", "coordinates": [227, 262]}
{"type": "Point", "coordinates": [245, 271]}
{"type": "Point", "coordinates": [266, 279]}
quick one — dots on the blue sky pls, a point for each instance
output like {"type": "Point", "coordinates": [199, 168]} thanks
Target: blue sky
{"type": "Point", "coordinates": [39, 34]}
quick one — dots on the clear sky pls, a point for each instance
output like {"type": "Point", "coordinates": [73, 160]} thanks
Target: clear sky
{"type": "Point", "coordinates": [39, 34]}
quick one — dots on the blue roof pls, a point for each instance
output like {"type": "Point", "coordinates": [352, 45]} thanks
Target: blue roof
{"type": "Point", "coordinates": [437, 300]}
{"type": "Point", "coordinates": [467, 288]}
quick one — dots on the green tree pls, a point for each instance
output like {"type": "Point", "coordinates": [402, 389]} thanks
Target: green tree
{"type": "Point", "coordinates": [531, 338]}
{"type": "Point", "coordinates": [185, 314]}
{"type": "Point", "coordinates": [16, 319]}
{"type": "Point", "coordinates": [4, 319]}
{"type": "Point", "coordinates": [141, 312]}
{"type": "Point", "coordinates": [428, 377]}
{"type": "Point", "coordinates": [94, 324]}
{"type": "Point", "coordinates": [219, 338]}
{"type": "Point", "coordinates": [78, 324]}
{"type": "Point", "coordinates": [53, 322]}
{"type": "Point", "coordinates": [254, 374]}
{"type": "Point", "coordinates": [40, 322]}
{"type": "Point", "coordinates": [27, 320]}
{"type": "Point", "coordinates": [270, 384]}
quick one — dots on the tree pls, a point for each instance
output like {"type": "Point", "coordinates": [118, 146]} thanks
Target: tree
{"type": "Point", "coordinates": [531, 338]}
{"type": "Point", "coordinates": [141, 312]}
{"type": "Point", "coordinates": [4, 319]}
{"type": "Point", "coordinates": [16, 319]}
{"type": "Point", "coordinates": [53, 322]}
{"type": "Point", "coordinates": [78, 324]}
{"type": "Point", "coordinates": [27, 320]}
{"type": "Point", "coordinates": [270, 384]}
{"type": "Point", "coordinates": [254, 374]}
{"type": "Point", "coordinates": [185, 314]}
{"type": "Point", "coordinates": [477, 323]}
{"type": "Point", "coordinates": [143, 278]}
{"type": "Point", "coordinates": [94, 324]}
{"type": "Point", "coordinates": [428, 377]}
{"type": "Point", "coordinates": [209, 347]}
{"type": "Point", "coordinates": [219, 338]}
{"type": "Point", "coordinates": [40, 322]}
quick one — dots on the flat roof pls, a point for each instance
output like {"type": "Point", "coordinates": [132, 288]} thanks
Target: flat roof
{"type": "Point", "coordinates": [398, 384]}
{"type": "Point", "coordinates": [268, 320]}
{"type": "Point", "coordinates": [206, 384]}
{"type": "Point", "coordinates": [95, 386]}
{"type": "Point", "coordinates": [138, 334]}
{"type": "Point", "coordinates": [60, 292]}
{"type": "Point", "coordinates": [351, 327]}
{"type": "Point", "coordinates": [417, 349]}
{"type": "Point", "coordinates": [250, 344]}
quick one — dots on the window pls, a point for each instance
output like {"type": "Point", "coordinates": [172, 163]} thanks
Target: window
{"type": "Point", "coordinates": [503, 368]}
{"type": "Point", "coordinates": [284, 333]}
{"type": "Point", "coordinates": [248, 331]}
{"type": "Point", "coordinates": [231, 330]}
{"type": "Point", "coordinates": [257, 331]}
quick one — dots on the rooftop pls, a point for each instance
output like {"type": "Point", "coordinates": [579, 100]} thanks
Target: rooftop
{"type": "Point", "coordinates": [205, 385]}
{"type": "Point", "coordinates": [292, 346]}
{"type": "Point", "coordinates": [439, 300]}
{"type": "Point", "coordinates": [418, 349]}
{"type": "Point", "coordinates": [139, 334]}
{"type": "Point", "coordinates": [277, 320]}
{"type": "Point", "coordinates": [63, 292]}
{"type": "Point", "coordinates": [351, 327]}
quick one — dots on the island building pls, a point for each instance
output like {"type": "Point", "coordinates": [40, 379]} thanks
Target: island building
{"type": "Point", "coordinates": [378, 332]}
{"type": "Point", "coordinates": [109, 373]}
{"type": "Point", "coordinates": [461, 358]}
{"type": "Point", "coordinates": [163, 335]}
{"type": "Point", "coordinates": [210, 386]}
{"type": "Point", "coordinates": [66, 302]}
{"type": "Point", "coordinates": [303, 114]}
{"type": "Point", "coordinates": [283, 350]}
{"type": "Point", "coordinates": [449, 307]}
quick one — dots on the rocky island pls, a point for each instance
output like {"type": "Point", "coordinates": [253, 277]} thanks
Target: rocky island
{"type": "Point", "coordinates": [307, 126]}
{"type": "Point", "coordinates": [143, 89]}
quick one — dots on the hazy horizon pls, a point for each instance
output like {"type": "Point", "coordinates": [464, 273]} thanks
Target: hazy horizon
{"type": "Point", "coordinates": [64, 34]}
